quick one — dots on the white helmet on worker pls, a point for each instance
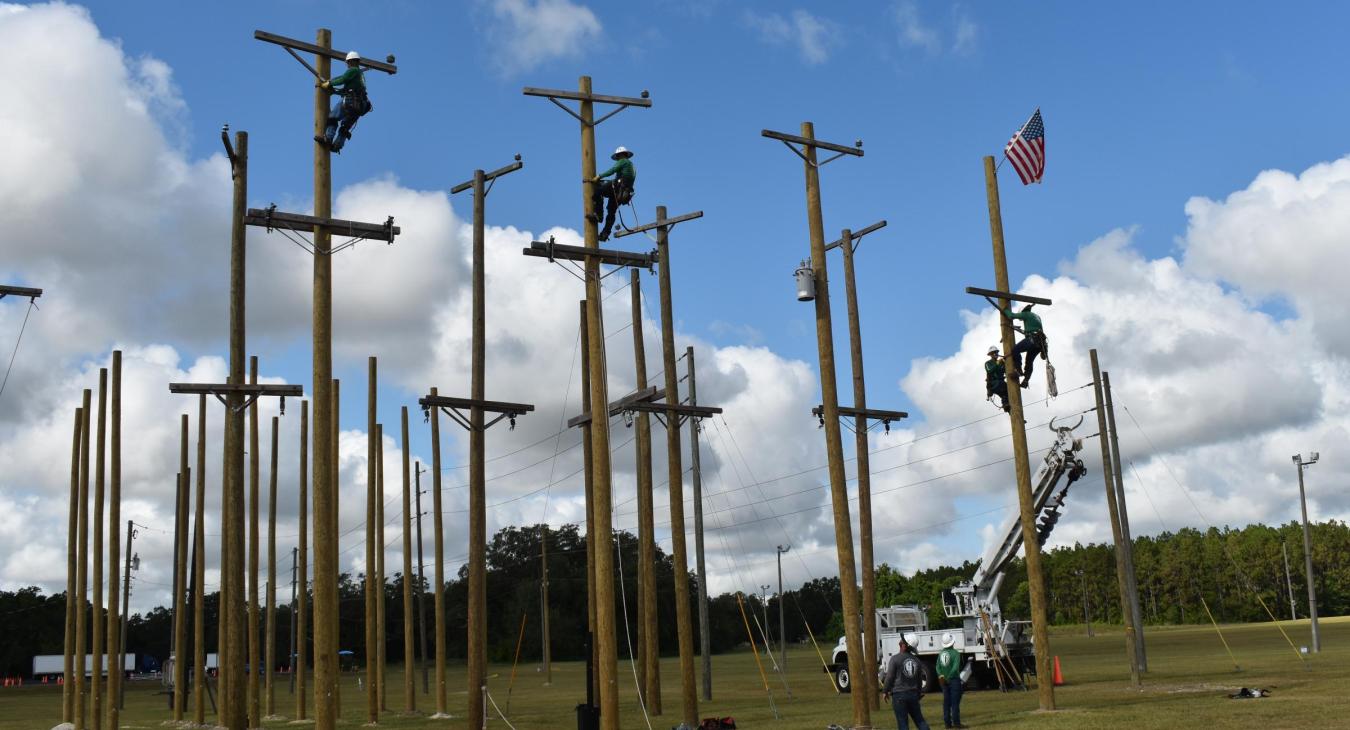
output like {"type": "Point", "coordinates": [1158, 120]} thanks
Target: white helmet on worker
{"type": "Point", "coordinates": [948, 640]}
{"type": "Point", "coordinates": [620, 151]}
{"type": "Point", "coordinates": [911, 639]}
{"type": "Point", "coordinates": [353, 56]}
{"type": "Point", "coordinates": [993, 350]}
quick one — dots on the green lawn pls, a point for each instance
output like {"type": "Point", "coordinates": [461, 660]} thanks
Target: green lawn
{"type": "Point", "coordinates": [1190, 675]}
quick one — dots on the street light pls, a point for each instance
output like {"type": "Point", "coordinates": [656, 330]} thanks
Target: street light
{"type": "Point", "coordinates": [1307, 548]}
{"type": "Point", "coordinates": [782, 627]}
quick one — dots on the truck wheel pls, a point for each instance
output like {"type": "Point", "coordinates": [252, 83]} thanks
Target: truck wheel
{"type": "Point", "coordinates": [842, 679]}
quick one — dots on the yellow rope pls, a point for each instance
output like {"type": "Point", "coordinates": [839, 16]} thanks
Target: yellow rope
{"type": "Point", "coordinates": [762, 677]}
{"type": "Point", "coordinates": [823, 663]}
{"type": "Point", "coordinates": [519, 642]}
{"type": "Point", "coordinates": [1219, 631]}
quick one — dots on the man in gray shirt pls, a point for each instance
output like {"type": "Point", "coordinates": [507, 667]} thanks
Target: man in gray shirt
{"type": "Point", "coordinates": [903, 685]}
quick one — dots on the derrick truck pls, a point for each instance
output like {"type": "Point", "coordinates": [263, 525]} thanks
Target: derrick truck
{"type": "Point", "coordinates": [997, 652]}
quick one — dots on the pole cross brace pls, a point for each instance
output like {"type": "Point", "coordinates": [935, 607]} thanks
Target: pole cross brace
{"type": "Point", "coordinates": [622, 405]}
{"type": "Point", "coordinates": [663, 223]}
{"type": "Point", "coordinates": [293, 45]}
{"type": "Point", "coordinates": [679, 412]}
{"type": "Point", "coordinates": [19, 291]}
{"type": "Point", "coordinates": [250, 392]}
{"type": "Point", "coordinates": [271, 218]}
{"type": "Point", "coordinates": [789, 140]}
{"type": "Point", "coordinates": [867, 414]}
{"type": "Point", "coordinates": [489, 177]}
{"type": "Point", "coordinates": [454, 408]}
{"type": "Point", "coordinates": [856, 235]}
{"type": "Point", "coordinates": [553, 251]}
{"type": "Point", "coordinates": [623, 102]}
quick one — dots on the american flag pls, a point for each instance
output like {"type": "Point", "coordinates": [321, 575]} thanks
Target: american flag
{"type": "Point", "coordinates": [1026, 150]}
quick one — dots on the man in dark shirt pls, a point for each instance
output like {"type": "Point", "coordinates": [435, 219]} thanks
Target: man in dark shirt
{"type": "Point", "coordinates": [351, 106]}
{"type": "Point", "coordinates": [996, 379]}
{"type": "Point", "coordinates": [1032, 344]}
{"type": "Point", "coordinates": [903, 686]}
{"type": "Point", "coordinates": [614, 192]}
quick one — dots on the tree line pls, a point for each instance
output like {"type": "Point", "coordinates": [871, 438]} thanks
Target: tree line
{"type": "Point", "coordinates": [1180, 575]}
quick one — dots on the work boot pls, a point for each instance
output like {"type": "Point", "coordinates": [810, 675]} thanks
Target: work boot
{"type": "Point", "coordinates": [322, 140]}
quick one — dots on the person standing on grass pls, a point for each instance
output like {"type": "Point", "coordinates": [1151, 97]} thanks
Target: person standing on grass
{"type": "Point", "coordinates": [903, 685]}
{"type": "Point", "coordinates": [949, 676]}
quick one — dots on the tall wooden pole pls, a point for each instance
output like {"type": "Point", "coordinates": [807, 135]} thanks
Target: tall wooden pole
{"type": "Point", "coordinates": [438, 537]}
{"type": "Point", "coordinates": [180, 618]}
{"type": "Point", "coordinates": [843, 528]}
{"type": "Point", "coordinates": [72, 553]}
{"type": "Point", "coordinates": [684, 625]}
{"type": "Point", "coordinates": [270, 636]}
{"type": "Point", "coordinates": [294, 642]}
{"type": "Point", "coordinates": [372, 475]}
{"type": "Point", "coordinates": [1111, 508]}
{"type": "Point", "coordinates": [544, 604]}
{"type": "Point", "coordinates": [477, 598]}
{"type": "Point", "coordinates": [302, 594]}
{"type": "Point", "coordinates": [696, 479]}
{"type": "Point", "coordinates": [1307, 560]}
{"type": "Point", "coordinates": [231, 653]}
{"type": "Point", "coordinates": [409, 660]}
{"type": "Point", "coordinates": [421, 576]}
{"type": "Point", "coordinates": [869, 590]}
{"type": "Point", "coordinates": [199, 575]}
{"type": "Point", "coordinates": [607, 663]}
{"type": "Point", "coordinates": [254, 479]}
{"type": "Point", "coordinates": [99, 639]}
{"type": "Point", "coordinates": [381, 634]}
{"type": "Point", "coordinates": [114, 544]}
{"type": "Point", "coordinates": [334, 463]}
{"type": "Point", "coordinates": [1035, 577]}
{"type": "Point", "coordinates": [588, 467]}
{"type": "Point", "coordinates": [649, 640]}
{"type": "Point", "coordinates": [1127, 542]}
{"type": "Point", "coordinates": [325, 479]}
{"type": "Point", "coordinates": [82, 570]}
{"type": "Point", "coordinates": [121, 698]}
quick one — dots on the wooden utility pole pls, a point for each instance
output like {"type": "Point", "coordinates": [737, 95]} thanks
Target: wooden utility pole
{"type": "Point", "coordinates": [180, 561]}
{"type": "Point", "coordinates": [114, 544]}
{"type": "Point", "coordinates": [649, 639]}
{"type": "Point", "coordinates": [294, 642]}
{"type": "Point", "coordinates": [843, 529]}
{"type": "Point", "coordinates": [605, 625]}
{"type": "Point", "coordinates": [1127, 542]}
{"type": "Point", "coordinates": [438, 537]}
{"type": "Point", "coordinates": [96, 685]}
{"type": "Point", "coordinates": [334, 465]}
{"type": "Point", "coordinates": [270, 636]}
{"type": "Point", "coordinates": [543, 604]}
{"type": "Point", "coordinates": [696, 480]}
{"type": "Point", "coordinates": [199, 575]}
{"type": "Point", "coordinates": [1107, 476]}
{"type": "Point", "coordinates": [1300, 464]}
{"type": "Point", "coordinates": [128, 560]}
{"type": "Point", "coordinates": [82, 569]}
{"type": "Point", "coordinates": [369, 617]}
{"type": "Point", "coordinates": [381, 635]}
{"type": "Point", "coordinates": [588, 491]}
{"type": "Point", "coordinates": [421, 575]}
{"type": "Point", "coordinates": [848, 243]}
{"type": "Point", "coordinates": [1035, 577]}
{"type": "Point", "coordinates": [326, 566]}
{"type": "Point", "coordinates": [302, 596]}
{"type": "Point", "coordinates": [470, 414]}
{"type": "Point", "coordinates": [254, 477]}
{"type": "Point", "coordinates": [409, 658]}
{"type": "Point", "coordinates": [72, 553]}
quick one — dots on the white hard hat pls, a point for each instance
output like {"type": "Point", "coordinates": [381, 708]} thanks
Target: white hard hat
{"type": "Point", "coordinates": [993, 350]}
{"type": "Point", "coordinates": [620, 151]}
{"type": "Point", "coordinates": [353, 56]}
{"type": "Point", "coordinates": [911, 638]}
{"type": "Point", "coordinates": [948, 640]}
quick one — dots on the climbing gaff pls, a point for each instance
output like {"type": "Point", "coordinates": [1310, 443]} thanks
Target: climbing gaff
{"type": "Point", "coordinates": [806, 282]}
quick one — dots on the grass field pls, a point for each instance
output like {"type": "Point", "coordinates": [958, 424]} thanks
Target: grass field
{"type": "Point", "coordinates": [1186, 687]}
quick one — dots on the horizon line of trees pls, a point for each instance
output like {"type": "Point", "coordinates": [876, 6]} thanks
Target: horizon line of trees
{"type": "Point", "coordinates": [1179, 573]}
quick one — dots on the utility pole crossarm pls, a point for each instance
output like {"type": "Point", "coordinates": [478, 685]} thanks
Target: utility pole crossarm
{"type": "Point", "coordinates": [995, 294]}
{"type": "Point", "coordinates": [19, 291]}
{"type": "Point", "coordinates": [553, 251]}
{"type": "Point", "coordinates": [271, 218]}
{"type": "Point", "coordinates": [856, 235]}
{"type": "Point", "coordinates": [622, 405]}
{"type": "Point", "coordinates": [663, 223]}
{"type": "Point", "coordinates": [622, 102]}
{"type": "Point", "coordinates": [683, 410]}
{"type": "Point", "coordinates": [386, 66]}
{"type": "Point", "coordinates": [875, 414]}
{"type": "Point", "coordinates": [453, 408]}
{"type": "Point", "coordinates": [250, 392]}
{"type": "Point", "coordinates": [490, 176]}
{"type": "Point", "coordinates": [789, 140]}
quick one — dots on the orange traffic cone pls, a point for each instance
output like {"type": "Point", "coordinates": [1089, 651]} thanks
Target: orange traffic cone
{"type": "Point", "coordinates": [1059, 676]}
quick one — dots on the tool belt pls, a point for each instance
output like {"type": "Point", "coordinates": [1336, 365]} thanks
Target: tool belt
{"type": "Point", "coordinates": [1042, 343]}
{"type": "Point", "coordinates": [356, 103]}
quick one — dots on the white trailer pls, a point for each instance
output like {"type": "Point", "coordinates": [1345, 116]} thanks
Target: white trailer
{"type": "Point", "coordinates": [54, 664]}
{"type": "Point", "coordinates": [997, 651]}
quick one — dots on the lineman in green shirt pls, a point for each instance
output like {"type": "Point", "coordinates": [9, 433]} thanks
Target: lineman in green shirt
{"type": "Point", "coordinates": [996, 378]}
{"type": "Point", "coordinates": [615, 192]}
{"type": "Point", "coordinates": [1032, 344]}
{"type": "Point", "coordinates": [351, 106]}
{"type": "Point", "coordinates": [949, 676]}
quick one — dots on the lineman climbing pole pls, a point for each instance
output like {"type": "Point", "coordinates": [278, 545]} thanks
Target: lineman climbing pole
{"type": "Point", "coordinates": [325, 477]}
{"type": "Point", "coordinates": [1035, 576]}
{"type": "Point", "coordinates": [470, 413]}
{"type": "Point", "coordinates": [605, 626]}
{"type": "Point", "coordinates": [674, 412]}
{"type": "Point", "coordinates": [848, 243]}
{"type": "Point", "coordinates": [805, 146]}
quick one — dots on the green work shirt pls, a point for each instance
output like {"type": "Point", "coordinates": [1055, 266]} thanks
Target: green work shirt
{"type": "Point", "coordinates": [624, 170]}
{"type": "Point", "coordinates": [994, 372]}
{"type": "Point", "coordinates": [949, 664]}
{"type": "Point", "coordinates": [353, 79]}
{"type": "Point", "coordinates": [1031, 320]}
